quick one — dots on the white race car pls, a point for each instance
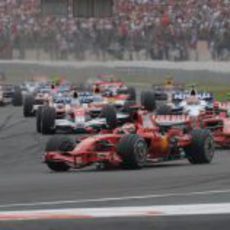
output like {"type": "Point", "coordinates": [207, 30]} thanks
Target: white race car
{"type": "Point", "coordinates": [189, 103]}
{"type": "Point", "coordinates": [78, 119]}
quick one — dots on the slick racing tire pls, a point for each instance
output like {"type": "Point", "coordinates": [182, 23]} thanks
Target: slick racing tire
{"type": "Point", "coordinates": [58, 166]}
{"type": "Point", "coordinates": [39, 119]}
{"type": "Point", "coordinates": [110, 114]}
{"type": "Point", "coordinates": [48, 120]}
{"type": "Point", "coordinates": [133, 151]}
{"type": "Point", "coordinates": [148, 101]}
{"type": "Point", "coordinates": [132, 94]}
{"type": "Point", "coordinates": [28, 106]}
{"type": "Point", "coordinates": [2, 103]}
{"type": "Point", "coordinates": [17, 97]}
{"type": "Point", "coordinates": [164, 110]}
{"type": "Point", "coordinates": [62, 144]}
{"type": "Point", "coordinates": [202, 148]}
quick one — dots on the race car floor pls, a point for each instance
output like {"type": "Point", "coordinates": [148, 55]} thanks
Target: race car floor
{"type": "Point", "coordinates": [27, 185]}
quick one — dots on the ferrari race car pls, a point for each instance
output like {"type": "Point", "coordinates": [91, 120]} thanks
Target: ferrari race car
{"type": "Point", "coordinates": [110, 86]}
{"type": "Point", "coordinates": [151, 139]}
{"type": "Point", "coordinates": [102, 86]}
{"type": "Point", "coordinates": [205, 113]}
{"type": "Point", "coordinates": [102, 81]}
{"type": "Point", "coordinates": [210, 115]}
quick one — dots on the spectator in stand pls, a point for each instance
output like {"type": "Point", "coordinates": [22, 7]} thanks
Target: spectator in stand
{"type": "Point", "coordinates": [159, 29]}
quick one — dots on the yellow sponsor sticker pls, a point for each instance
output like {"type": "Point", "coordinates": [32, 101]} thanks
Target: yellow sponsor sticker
{"type": "Point", "coordinates": [164, 144]}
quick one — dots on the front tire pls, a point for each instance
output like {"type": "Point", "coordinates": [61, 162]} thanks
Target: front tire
{"type": "Point", "coordinates": [48, 120]}
{"type": "Point", "coordinates": [62, 144]}
{"type": "Point", "coordinates": [133, 151]}
{"type": "Point", "coordinates": [28, 106]}
{"type": "Point", "coordinates": [202, 148]}
{"type": "Point", "coordinates": [58, 166]}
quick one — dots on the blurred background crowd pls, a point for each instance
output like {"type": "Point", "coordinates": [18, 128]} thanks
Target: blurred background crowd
{"type": "Point", "coordinates": [139, 29]}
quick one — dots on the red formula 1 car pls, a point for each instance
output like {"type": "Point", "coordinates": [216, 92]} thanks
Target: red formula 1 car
{"type": "Point", "coordinates": [216, 119]}
{"type": "Point", "coordinates": [114, 89]}
{"type": "Point", "coordinates": [132, 146]}
{"type": "Point", "coordinates": [106, 81]}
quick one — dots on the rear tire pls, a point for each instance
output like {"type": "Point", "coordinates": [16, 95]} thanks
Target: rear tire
{"type": "Point", "coordinates": [39, 119]}
{"type": "Point", "coordinates": [28, 106]}
{"type": "Point", "coordinates": [201, 150]}
{"type": "Point", "coordinates": [133, 151]}
{"type": "Point", "coordinates": [132, 94]}
{"type": "Point", "coordinates": [110, 114]}
{"type": "Point", "coordinates": [148, 101]}
{"type": "Point", "coordinates": [48, 120]}
{"type": "Point", "coordinates": [17, 97]}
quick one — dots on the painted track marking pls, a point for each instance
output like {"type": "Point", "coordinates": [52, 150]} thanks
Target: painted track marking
{"type": "Point", "coordinates": [142, 211]}
{"type": "Point", "coordinates": [124, 198]}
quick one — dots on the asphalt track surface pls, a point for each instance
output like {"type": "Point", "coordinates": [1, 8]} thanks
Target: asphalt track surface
{"type": "Point", "coordinates": [27, 184]}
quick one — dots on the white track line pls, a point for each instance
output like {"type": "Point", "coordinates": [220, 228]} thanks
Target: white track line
{"type": "Point", "coordinates": [108, 199]}
{"type": "Point", "coordinates": [144, 211]}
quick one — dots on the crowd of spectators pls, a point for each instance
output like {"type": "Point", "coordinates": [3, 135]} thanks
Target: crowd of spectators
{"type": "Point", "coordinates": [155, 29]}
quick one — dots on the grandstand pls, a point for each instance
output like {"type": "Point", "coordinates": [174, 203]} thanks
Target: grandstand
{"type": "Point", "coordinates": [119, 29]}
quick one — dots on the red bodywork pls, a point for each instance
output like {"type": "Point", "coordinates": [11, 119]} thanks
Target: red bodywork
{"type": "Point", "coordinates": [101, 86]}
{"type": "Point", "coordinates": [219, 125]}
{"type": "Point", "coordinates": [222, 106]}
{"type": "Point", "coordinates": [102, 148]}
{"type": "Point", "coordinates": [118, 97]}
